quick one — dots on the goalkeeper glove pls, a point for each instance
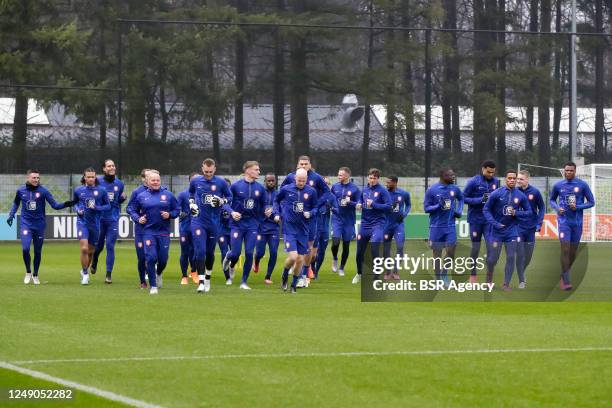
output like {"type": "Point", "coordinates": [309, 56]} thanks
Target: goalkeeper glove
{"type": "Point", "coordinates": [193, 207]}
{"type": "Point", "coordinates": [9, 222]}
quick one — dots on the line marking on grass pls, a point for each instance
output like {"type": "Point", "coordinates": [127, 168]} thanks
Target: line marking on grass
{"type": "Point", "coordinates": [78, 386]}
{"type": "Point", "coordinates": [331, 354]}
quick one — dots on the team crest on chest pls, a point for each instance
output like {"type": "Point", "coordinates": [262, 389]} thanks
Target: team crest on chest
{"type": "Point", "coordinates": [399, 198]}
{"type": "Point", "coordinates": [516, 200]}
{"type": "Point", "coordinates": [576, 189]}
{"type": "Point", "coordinates": [531, 196]}
{"type": "Point", "coordinates": [163, 197]}
{"type": "Point", "coordinates": [305, 196]}
{"type": "Point", "coordinates": [116, 188]}
{"type": "Point", "coordinates": [348, 193]}
{"type": "Point", "coordinates": [213, 188]}
{"type": "Point", "coordinates": [452, 193]}
{"type": "Point", "coordinates": [311, 182]}
{"type": "Point", "coordinates": [96, 193]}
{"type": "Point", "coordinates": [493, 186]}
{"type": "Point", "coordinates": [376, 194]}
{"type": "Point", "coordinates": [37, 195]}
{"type": "Point", "coordinates": [256, 193]}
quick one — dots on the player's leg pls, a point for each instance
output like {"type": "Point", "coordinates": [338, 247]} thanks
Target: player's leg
{"type": "Point", "coordinates": [387, 241]}
{"type": "Point", "coordinates": [224, 248]}
{"type": "Point", "coordinates": [237, 238]}
{"type": "Point", "coordinates": [150, 250]}
{"type": "Point", "coordinates": [273, 242]}
{"type": "Point", "coordinates": [104, 227]}
{"type": "Point", "coordinates": [184, 257]}
{"type": "Point", "coordinates": [362, 244]}
{"type": "Point", "coordinates": [26, 243]}
{"type": "Point", "coordinates": [140, 258]}
{"type": "Point", "coordinates": [163, 250]}
{"type": "Point", "coordinates": [400, 238]}
{"type": "Point", "coordinates": [94, 237]}
{"type": "Point", "coordinates": [336, 238]}
{"type": "Point", "coordinates": [476, 232]}
{"type": "Point", "coordinates": [260, 251]}
{"type": "Point", "coordinates": [250, 240]}
{"type": "Point", "coordinates": [38, 239]}
{"type": "Point", "coordinates": [565, 238]}
{"type": "Point", "coordinates": [493, 252]}
{"type": "Point", "coordinates": [192, 263]}
{"type": "Point", "coordinates": [510, 261]}
{"type": "Point", "coordinates": [303, 249]}
{"type": "Point", "coordinates": [323, 242]}
{"type": "Point", "coordinates": [111, 241]}
{"type": "Point", "coordinates": [436, 243]}
{"type": "Point", "coordinates": [211, 237]}
{"type": "Point", "coordinates": [290, 243]}
{"type": "Point", "coordinates": [198, 235]}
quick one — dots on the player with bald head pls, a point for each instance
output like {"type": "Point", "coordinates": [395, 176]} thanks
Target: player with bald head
{"type": "Point", "coordinates": [297, 204]}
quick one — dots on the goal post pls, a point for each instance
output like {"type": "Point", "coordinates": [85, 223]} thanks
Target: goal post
{"type": "Point", "coordinates": [598, 220]}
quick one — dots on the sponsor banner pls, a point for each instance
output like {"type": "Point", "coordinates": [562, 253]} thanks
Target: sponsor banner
{"type": "Point", "coordinates": [63, 226]}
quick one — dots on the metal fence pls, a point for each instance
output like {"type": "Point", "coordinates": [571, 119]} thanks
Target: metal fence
{"type": "Point", "coordinates": [62, 186]}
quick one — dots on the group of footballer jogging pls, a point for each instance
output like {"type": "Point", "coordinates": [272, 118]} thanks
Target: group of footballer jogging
{"type": "Point", "coordinates": [246, 215]}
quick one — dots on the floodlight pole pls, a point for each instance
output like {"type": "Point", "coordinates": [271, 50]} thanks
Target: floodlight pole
{"type": "Point", "coordinates": [573, 88]}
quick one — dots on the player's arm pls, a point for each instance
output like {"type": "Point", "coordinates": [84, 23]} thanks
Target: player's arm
{"type": "Point", "coordinates": [129, 208]}
{"type": "Point", "coordinates": [314, 203]}
{"type": "Point", "coordinates": [14, 207]}
{"type": "Point", "coordinates": [133, 209]}
{"type": "Point", "coordinates": [460, 200]}
{"type": "Point", "coordinates": [541, 207]}
{"type": "Point", "coordinates": [79, 206]}
{"type": "Point", "coordinates": [469, 194]}
{"type": "Point", "coordinates": [407, 205]}
{"type": "Point", "coordinates": [288, 180]}
{"type": "Point", "coordinates": [487, 211]}
{"type": "Point", "coordinates": [429, 202]}
{"type": "Point", "coordinates": [590, 200]}
{"type": "Point", "coordinates": [386, 202]}
{"type": "Point", "coordinates": [228, 197]}
{"type": "Point", "coordinates": [104, 199]}
{"type": "Point", "coordinates": [122, 197]}
{"type": "Point", "coordinates": [175, 209]}
{"type": "Point", "coordinates": [524, 210]}
{"type": "Point", "coordinates": [335, 209]}
{"type": "Point", "coordinates": [553, 198]}
{"type": "Point", "coordinates": [54, 204]}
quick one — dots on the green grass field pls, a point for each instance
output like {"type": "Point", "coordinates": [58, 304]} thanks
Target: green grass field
{"type": "Point", "coordinates": [320, 348]}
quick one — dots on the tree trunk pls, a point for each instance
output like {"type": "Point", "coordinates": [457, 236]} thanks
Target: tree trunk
{"type": "Point", "coordinates": [544, 89]}
{"type": "Point", "coordinates": [390, 93]}
{"type": "Point", "coordinates": [299, 99]}
{"type": "Point", "coordinates": [558, 89]}
{"type": "Point", "coordinates": [484, 87]}
{"type": "Point", "coordinates": [165, 117]}
{"type": "Point", "coordinates": [239, 82]}
{"type": "Point", "coordinates": [20, 132]}
{"type": "Point", "coordinates": [501, 117]}
{"type": "Point", "coordinates": [533, 26]}
{"type": "Point", "coordinates": [408, 85]}
{"type": "Point", "coordinates": [599, 84]}
{"type": "Point", "coordinates": [151, 116]}
{"type": "Point", "coordinates": [450, 107]}
{"type": "Point", "coordinates": [102, 124]}
{"type": "Point", "coordinates": [278, 107]}
{"type": "Point", "coordinates": [214, 117]}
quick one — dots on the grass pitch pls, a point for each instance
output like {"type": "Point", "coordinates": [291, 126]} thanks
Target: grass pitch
{"type": "Point", "coordinates": [322, 347]}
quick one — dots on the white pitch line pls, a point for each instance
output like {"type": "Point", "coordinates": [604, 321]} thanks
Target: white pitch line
{"type": "Point", "coordinates": [81, 387]}
{"type": "Point", "coordinates": [332, 354]}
